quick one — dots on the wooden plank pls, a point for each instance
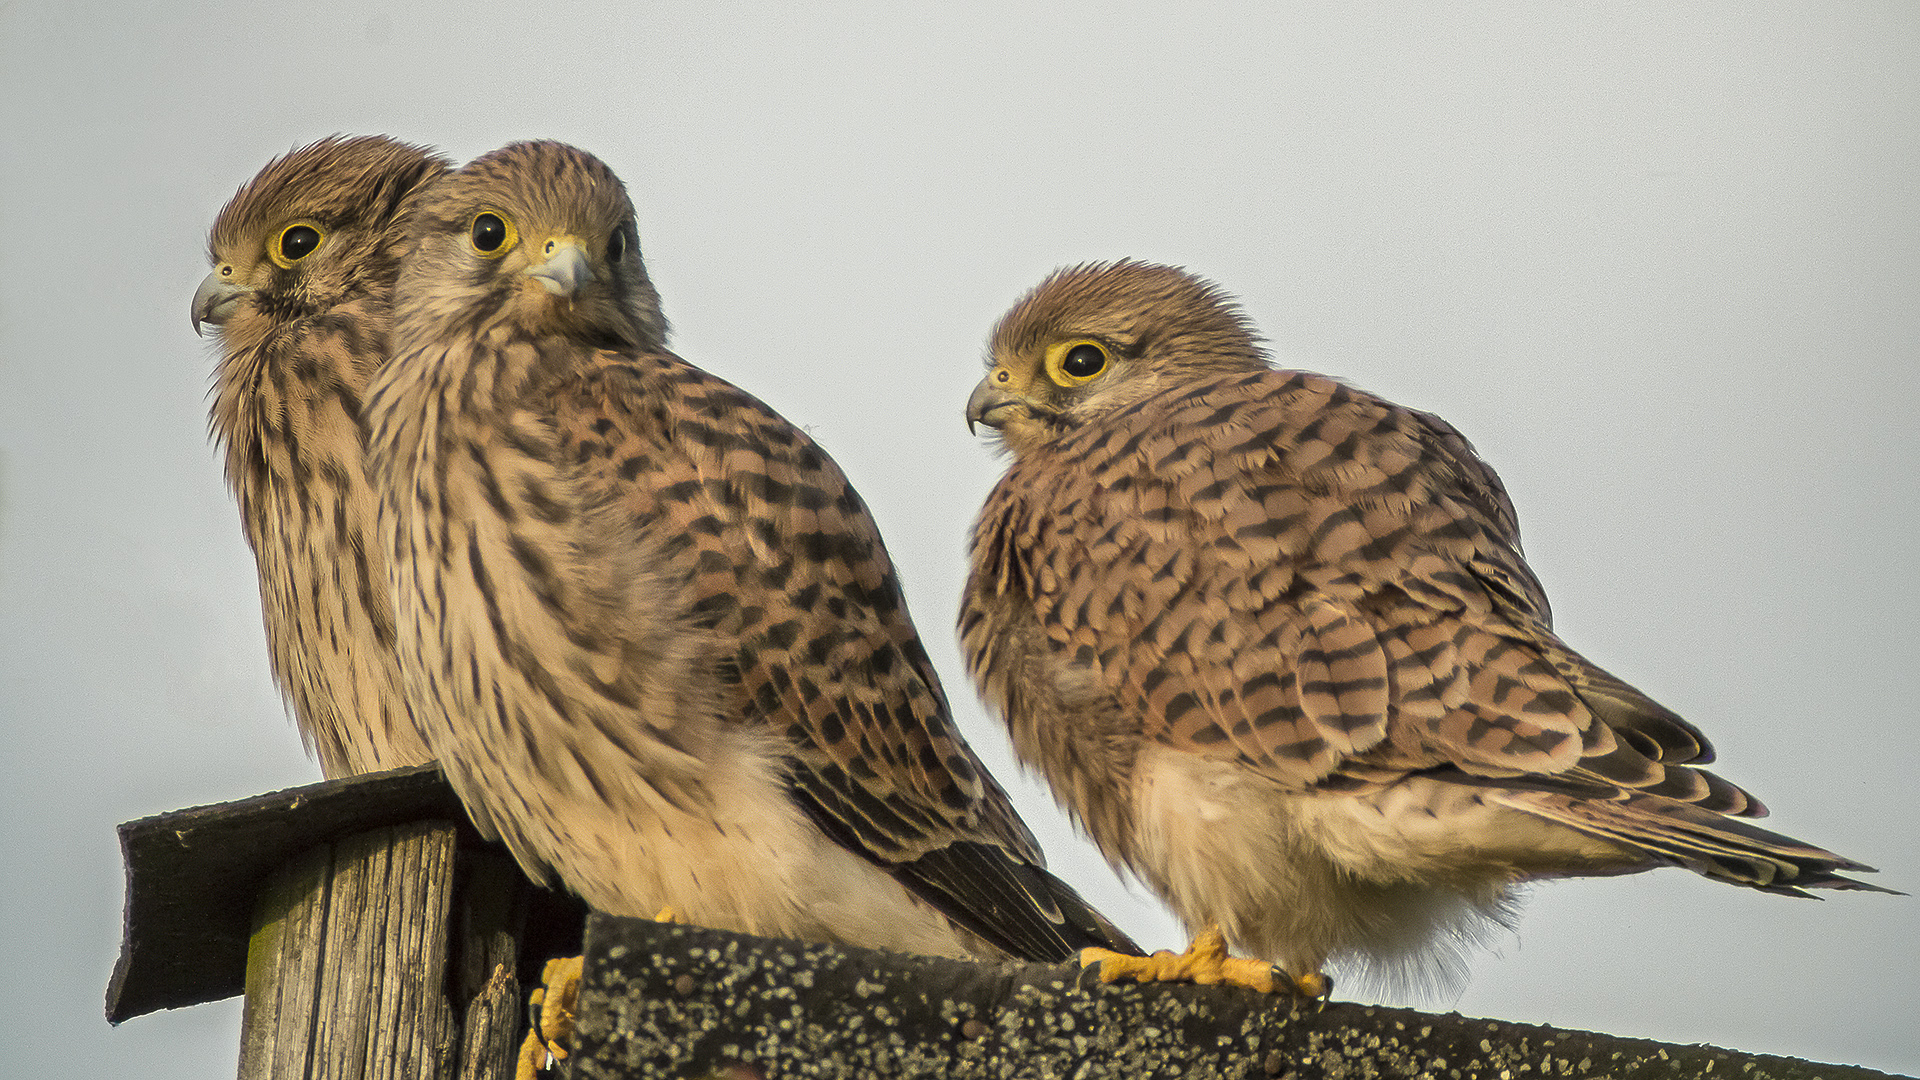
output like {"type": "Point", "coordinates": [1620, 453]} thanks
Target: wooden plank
{"type": "Point", "coordinates": [490, 1035]}
{"type": "Point", "coordinates": [276, 1026]}
{"type": "Point", "coordinates": [491, 913]}
{"type": "Point", "coordinates": [348, 973]}
{"type": "Point", "coordinates": [193, 876]}
{"type": "Point", "coordinates": [416, 1027]}
{"type": "Point", "coordinates": [374, 933]}
{"type": "Point", "coordinates": [339, 1012]}
{"type": "Point", "coordinates": [669, 1000]}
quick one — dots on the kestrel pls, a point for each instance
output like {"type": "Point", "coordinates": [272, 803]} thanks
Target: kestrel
{"type": "Point", "coordinates": [304, 258]}
{"type": "Point", "coordinates": [1273, 642]}
{"type": "Point", "coordinates": [648, 628]}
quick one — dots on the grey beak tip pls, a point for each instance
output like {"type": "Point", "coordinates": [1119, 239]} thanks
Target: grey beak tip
{"type": "Point", "coordinates": [564, 273]}
{"type": "Point", "coordinates": [213, 302]}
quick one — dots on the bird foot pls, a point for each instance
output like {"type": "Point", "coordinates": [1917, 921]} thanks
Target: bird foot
{"type": "Point", "coordinates": [552, 1005]}
{"type": "Point", "coordinates": [550, 1025]}
{"type": "Point", "coordinates": [1205, 962]}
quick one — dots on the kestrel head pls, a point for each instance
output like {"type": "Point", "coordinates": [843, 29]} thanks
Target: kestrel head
{"type": "Point", "coordinates": [322, 225]}
{"type": "Point", "coordinates": [536, 238]}
{"type": "Point", "coordinates": [1100, 336]}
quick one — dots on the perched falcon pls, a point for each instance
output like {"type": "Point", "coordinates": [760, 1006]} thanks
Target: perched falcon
{"type": "Point", "coordinates": [1273, 642]}
{"type": "Point", "coordinates": [649, 630]}
{"type": "Point", "coordinates": [304, 258]}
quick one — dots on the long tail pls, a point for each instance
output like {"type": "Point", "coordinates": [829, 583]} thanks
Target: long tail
{"type": "Point", "coordinates": [1701, 840]}
{"type": "Point", "coordinates": [1019, 907]}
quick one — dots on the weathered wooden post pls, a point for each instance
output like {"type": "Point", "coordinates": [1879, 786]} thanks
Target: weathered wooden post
{"type": "Point", "coordinates": [373, 933]}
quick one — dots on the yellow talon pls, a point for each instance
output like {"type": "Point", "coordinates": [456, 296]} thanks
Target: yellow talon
{"type": "Point", "coordinates": [552, 1004]}
{"type": "Point", "coordinates": [1205, 962]}
{"type": "Point", "coordinates": [562, 982]}
{"type": "Point", "coordinates": [533, 1056]}
{"type": "Point", "coordinates": [1313, 984]}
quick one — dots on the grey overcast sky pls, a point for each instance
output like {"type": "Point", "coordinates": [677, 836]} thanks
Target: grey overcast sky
{"type": "Point", "coordinates": [1660, 261]}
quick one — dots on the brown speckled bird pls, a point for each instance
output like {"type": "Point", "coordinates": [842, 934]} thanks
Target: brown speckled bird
{"type": "Point", "coordinates": [304, 258]}
{"type": "Point", "coordinates": [650, 631]}
{"type": "Point", "coordinates": [1273, 642]}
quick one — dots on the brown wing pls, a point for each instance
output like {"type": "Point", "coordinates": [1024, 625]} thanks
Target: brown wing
{"type": "Point", "coordinates": [1280, 569]}
{"type": "Point", "coordinates": [786, 569]}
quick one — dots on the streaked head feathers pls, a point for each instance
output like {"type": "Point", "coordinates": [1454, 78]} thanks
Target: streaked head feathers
{"type": "Point", "coordinates": [539, 235]}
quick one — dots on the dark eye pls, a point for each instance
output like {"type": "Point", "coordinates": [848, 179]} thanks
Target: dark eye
{"type": "Point", "coordinates": [617, 245]}
{"type": "Point", "coordinates": [298, 242]}
{"type": "Point", "coordinates": [294, 243]}
{"type": "Point", "coordinates": [489, 232]}
{"type": "Point", "coordinates": [1084, 361]}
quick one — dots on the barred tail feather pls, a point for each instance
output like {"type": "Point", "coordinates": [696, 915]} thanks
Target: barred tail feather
{"type": "Point", "coordinates": [1705, 842]}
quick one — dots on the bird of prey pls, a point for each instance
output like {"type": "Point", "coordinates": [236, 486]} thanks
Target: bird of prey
{"type": "Point", "coordinates": [1272, 641]}
{"type": "Point", "coordinates": [304, 258]}
{"type": "Point", "coordinates": [648, 628]}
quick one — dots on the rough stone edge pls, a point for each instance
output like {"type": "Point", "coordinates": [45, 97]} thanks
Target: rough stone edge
{"type": "Point", "coordinates": [670, 1000]}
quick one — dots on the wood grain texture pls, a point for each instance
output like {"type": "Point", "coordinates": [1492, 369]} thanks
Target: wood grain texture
{"type": "Point", "coordinates": [489, 1034]}
{"type": "Point", "coordinates": [347, 976]}
{"type": "Point", "coordinates": [193, 876]}
{"type": "Point", "coordinates": [283, 968]}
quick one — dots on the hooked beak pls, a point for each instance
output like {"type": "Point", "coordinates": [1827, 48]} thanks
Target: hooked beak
{"type": "Point", "coordinates": [215, 299]}
{"type": "Point", "coordinates": [989, 404]}
{"type": "Point", "coordinates": [565, 268]}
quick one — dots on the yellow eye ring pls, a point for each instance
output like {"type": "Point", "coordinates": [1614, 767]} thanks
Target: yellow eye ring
{"type": "Point", "coordinates": [492, 234]}
{"type": "Point", "coordinates": [1076, 362]}
{"type": "Point", "coordinates": [295, 242]}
